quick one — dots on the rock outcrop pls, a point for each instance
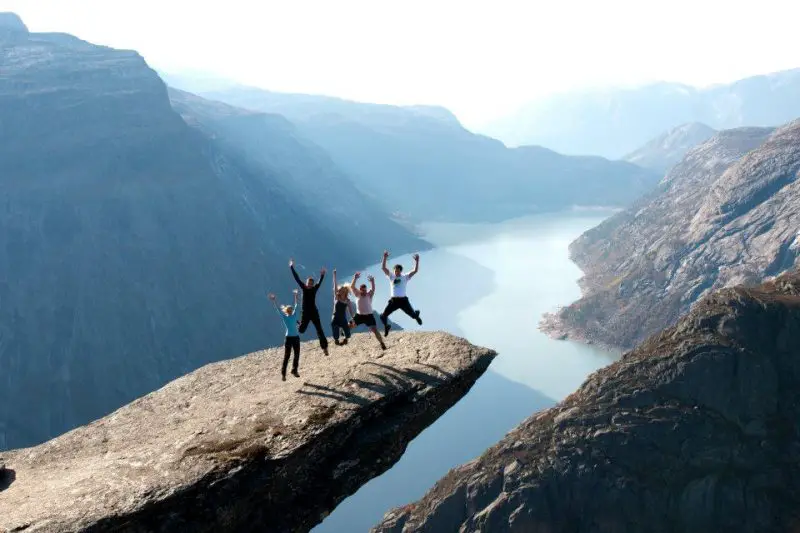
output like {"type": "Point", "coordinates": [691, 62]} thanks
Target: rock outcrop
{"type": "Point", "coordinates": [669, 148]}
{"type": "Point", "coordinates": [134, 248]}
{"type": "Point", "coordinates": [693, 431]}
{"type": "Point", "coordinates": [230, 447]}
{"type": "Point", "coordinates": [726, 215]}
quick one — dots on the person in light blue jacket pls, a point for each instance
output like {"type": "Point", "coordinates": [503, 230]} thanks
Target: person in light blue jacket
{"type": "Point", "coordinates": [289, 315]}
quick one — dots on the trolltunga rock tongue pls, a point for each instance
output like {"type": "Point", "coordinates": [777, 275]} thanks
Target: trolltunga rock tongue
{"type": "Point", "coordinates": [230, 447]}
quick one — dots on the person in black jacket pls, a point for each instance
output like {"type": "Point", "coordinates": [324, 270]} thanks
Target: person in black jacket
{"type": "Point", "coordinates": [310, 311]}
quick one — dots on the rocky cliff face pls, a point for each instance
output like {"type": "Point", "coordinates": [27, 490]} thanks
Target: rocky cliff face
{"type": "Point", "coordinates": [133, 248]}
{"type": "Point", "coordinates": [230, 447]}
{"type": "Point", "coordinates": [693, 431]}
{"type": "Point", "coordinates": [669, 148]}
{"type": "Point", "coordinates": [726, 215]}
{"type": "Point", "coordinates": [408, 159]}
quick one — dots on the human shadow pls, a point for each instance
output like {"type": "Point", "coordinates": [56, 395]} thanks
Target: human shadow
{"type": "Point", "coordinates": [7, 477]}
{"type": "Point", "coordinates": [384, 381]}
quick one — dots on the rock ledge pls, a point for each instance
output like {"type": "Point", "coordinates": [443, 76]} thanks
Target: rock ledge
{"type": "Point", "coordinates": [230, 447]}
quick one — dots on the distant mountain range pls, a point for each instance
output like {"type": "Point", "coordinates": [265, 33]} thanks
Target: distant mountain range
{"type": "Point", "coordinates": [663, 152]}
{"type": "Point", "coordinates": [138, 242]}
{"type": "Point", "coordinates": [615, 122]}
{"type": "Point", "coordinates": [419, 162]}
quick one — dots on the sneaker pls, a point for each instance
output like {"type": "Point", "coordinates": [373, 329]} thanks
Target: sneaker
{"type": "Point", "coordinates": [295, 373]}
{"type": "Point", "coordinates": [386, 328]}
{"type": "Point", "coordinates": [337, 343]}
{"type": "Point", "coordinates": [344, 341]}
{"type": "Point", "coordinates": [419, 320]}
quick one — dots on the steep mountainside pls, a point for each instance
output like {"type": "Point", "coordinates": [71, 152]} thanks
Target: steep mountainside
{"type": "Point", "coordinates": [270, 144]}
{"type": "Point", "coordinates": [134, 248]}
{"type": "Point", "coordinates": [666, 150]}
{"type": "Point", "coordinates": [614, 122]}
{"type": "Point", "coordinates": [694, 431]}
{"type": "Point", "coordinates": [231, 448]}
{"type": "Point", "coordinates": [420, 162]}
{"type": "Point", "coordinates": [722, 218]}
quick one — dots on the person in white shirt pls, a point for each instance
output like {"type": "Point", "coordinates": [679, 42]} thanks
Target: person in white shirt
{"type": "Point", "coordinates": [399, 298]}
{"type": "Point", "coordinates": [364, 313]}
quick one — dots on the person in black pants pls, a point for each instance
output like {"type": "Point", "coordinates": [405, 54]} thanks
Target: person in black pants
{"type": "Point", "coordinates": [399, 299]}
{"type": "Point", "coordinates": [310, 311]}
{"type": "Point", "coordinates": [288, 314]}
{"type": "Point", "coordinates": [341, 306]}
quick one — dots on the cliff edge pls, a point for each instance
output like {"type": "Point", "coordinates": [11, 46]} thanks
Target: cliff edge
{"type": "Point", "coordinates": [230, 447]}
{"type": "Point", "coordinates": [693, 431]}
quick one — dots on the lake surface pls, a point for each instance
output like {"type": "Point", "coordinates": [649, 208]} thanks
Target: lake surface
{"type": "Point", "coordinates": [490, 283]}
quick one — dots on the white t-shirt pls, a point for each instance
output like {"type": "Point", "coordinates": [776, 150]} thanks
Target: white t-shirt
{"type": "Point", "coordinates": [398, 285]}
{"type": "Point", "coordinates": [364, 304]}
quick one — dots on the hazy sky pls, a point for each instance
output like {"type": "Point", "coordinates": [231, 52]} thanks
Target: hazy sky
{"type": "Point", "coordinates": [480, 59]}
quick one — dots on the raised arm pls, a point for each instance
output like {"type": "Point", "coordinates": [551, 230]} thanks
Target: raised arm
{"type": "Point", "coordinates": [353, 284]}
{"type": "Point", "coordinates": [321, 276]}
{"type": "Point", "coordinates": [294, 273]}
{"type": "Point", "coordinates": [416, 267]}
{"type": "Point", "coordinates": [371, 286]}
{"type": "Point", "coordinates": [335, 285]}
{"type": "Point", "coordinates": [383, 264]}
{"type": "Point", "coordinates": [296, 300]}
{"type": "Point", "coordinates": [274, 303]}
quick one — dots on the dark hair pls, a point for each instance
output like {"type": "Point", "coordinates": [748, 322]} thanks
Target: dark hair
{"type": "Point", "coordinates": [398, 267]}
{"type": "Point", "coordinates": [310, 279]}
{"type": "Point", "coordinates": [363, 286]}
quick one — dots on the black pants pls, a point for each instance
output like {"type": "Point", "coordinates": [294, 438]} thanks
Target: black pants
{"type": "Point", "coordinates": [400, 303]}
{"type": "Point", "coordinates": [313, 317]}
{"type": "Point", "coordinates": [291, 343]}
{"type": "Point", "coordinates": [337, 323]}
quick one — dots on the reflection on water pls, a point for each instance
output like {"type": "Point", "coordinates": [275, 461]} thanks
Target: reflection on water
{"type": "Point", "coordinates": [489, 283]}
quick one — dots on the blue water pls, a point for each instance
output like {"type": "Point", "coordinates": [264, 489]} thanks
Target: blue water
{"type": "Point", "coordinates": [489, 283]}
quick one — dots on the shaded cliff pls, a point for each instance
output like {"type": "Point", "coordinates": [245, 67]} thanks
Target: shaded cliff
{"type": "Point", "coordinates": [134, 248]}
{"type": "Point", "coordinates": [693, 431]}
{"type": "Point", "coordinates": [727, 214]}
{"type": "Point", "coordinates": [409, 158]}
{"type": "Point", "coordinates": [230, 447]}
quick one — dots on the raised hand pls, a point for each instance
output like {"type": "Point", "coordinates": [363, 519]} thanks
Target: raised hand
{"type": "Point", "coordinates": [295, 291]}
{"type": "Point", "coordinates": [416, 257]}
{"type": "Point", "coordinates": [369, 277]}
{"type": "Point", "coordinates": [334, 271]}
{"type": "Point", "coordinates": [322, 271]}
{"type": "Point", "coordinates": [272, 296]}
{"type": "Point", "coordinates": [386, 253]}
{"type": "Point", "coordinates": [291, 262]}
{"type": "Point", "coordinates": [357, 275]}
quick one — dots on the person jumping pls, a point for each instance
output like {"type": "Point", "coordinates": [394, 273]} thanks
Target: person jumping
{"type": "Point", "coordinates": [310, 311]}
{"type": "Point", "coordinates": [364, 313]}
{"type": "Point", "coordinates": [398, 299]}
{"type": "Point", "coordinates": [288, 314]}
{"type": "Point", "coordinates": [342, 305]}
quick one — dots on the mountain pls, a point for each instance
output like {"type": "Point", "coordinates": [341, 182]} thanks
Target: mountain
{"type": "Point", "coordinates": [615, 122]}
{"type": "Point", "coordinates": [663, 152]}
{"type": "Point", "coordinates": [693, 431]}
{"type": "Point", "coordinates": [135, 247]}
{"type": "Point", "coordinates": [232, 448]}
{"type": "Point", "coordinates": [420, 163]}
{"type": "Point", "coordinates": [726, 215]}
